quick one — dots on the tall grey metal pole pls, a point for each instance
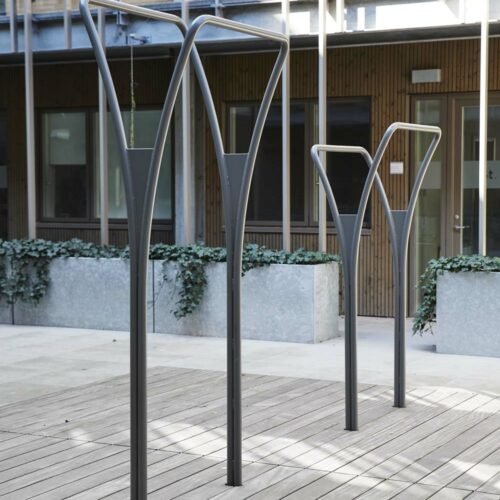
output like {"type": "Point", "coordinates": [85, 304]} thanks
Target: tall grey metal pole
{"type": "Point", "coordinates": [103, 140]}
{"type": "Point", "coordinates": [349, 227]}
{"type": "Point", "coordinates": [188, 225]}
{"type": "Point", "coordinates": [483, 129]}
{"type": "Point", "coordinates": [30, 119]}
{"type": "Point", "coordinates": [285, 121]}
{"type": "Point", "coordinates": [13, 25]}
{"type": "Point", "coordinates": [322, 115]}
{"type": "Point", "coordinates": [140, 186]}
{"type": "Point", "coordinates": [67, 24]}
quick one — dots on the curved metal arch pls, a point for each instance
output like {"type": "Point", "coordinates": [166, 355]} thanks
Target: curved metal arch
{"type": "Point", "coordinates": [399, 231]}
{"type": "Point", "coordinates": [140, 201]}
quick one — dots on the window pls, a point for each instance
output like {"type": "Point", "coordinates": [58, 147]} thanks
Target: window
{"type": "Point", "coordinates": [348, 124]}
{"type": "Point", "coordinates": [265, 201]}
{"type": "Point", "coordinates": [145, 126]}
{"type": "Point", "coordinates": [70, 166]}
{"type": "Point", "coordinates": [64, 166]}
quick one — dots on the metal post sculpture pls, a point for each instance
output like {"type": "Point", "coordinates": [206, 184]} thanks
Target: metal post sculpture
{"type": "Point", "coordinates": [349, 228]}
{"type": "Point", "coordinates": [140, 168]}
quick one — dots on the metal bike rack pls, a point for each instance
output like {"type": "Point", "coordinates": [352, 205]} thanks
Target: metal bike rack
{"type": "Point", "coordinates": [140, 168]}
{"type": "Point", "coordinates": [349, 233]}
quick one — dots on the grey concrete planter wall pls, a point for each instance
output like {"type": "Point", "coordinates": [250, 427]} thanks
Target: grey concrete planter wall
{"type": "Point", "coordinates": [294, 303]}
{"type": "Point", "coordinates": [468, 314]}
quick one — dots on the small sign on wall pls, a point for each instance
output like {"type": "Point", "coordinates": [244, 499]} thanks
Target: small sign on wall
{"type": "Point", "coordinates": [397, 168]}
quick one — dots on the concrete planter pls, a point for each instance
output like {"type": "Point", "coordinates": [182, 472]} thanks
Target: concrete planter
{"type": "Point", "coordinates": [468, 314]}
{"type": "Point", "coordinates": [293, 303]}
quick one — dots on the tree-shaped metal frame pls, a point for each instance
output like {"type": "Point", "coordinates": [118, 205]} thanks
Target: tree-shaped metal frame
{"type": "Point", "coordinates": [140, 168]}
{"type": "Point", "coordinates": [349, 228]}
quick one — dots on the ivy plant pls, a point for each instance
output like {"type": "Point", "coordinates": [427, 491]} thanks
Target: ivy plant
{"type": "Point", "coordinates": [25, 265]}
{"type": "Point", "coordinates": [426, 313]}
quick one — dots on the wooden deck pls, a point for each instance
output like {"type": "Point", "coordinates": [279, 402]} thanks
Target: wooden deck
{"type": "Point", "coordinates": [74, 444]}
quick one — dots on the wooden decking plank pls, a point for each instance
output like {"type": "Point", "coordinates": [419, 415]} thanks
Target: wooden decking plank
{"type": "Point", "coordinates": [171, 475]}
{"type": "Point", "coordinates": [468, 415]}
{"type": "Point", "coordinates": [215, 472]}
{"type": "Point", "coordinates": [116, 480]}
{"type": "Point", "coordinates": [451, 494]}
{"type": "Point", "coordinates": [289, 485]}
{"type": "Point", "coordinates": [47, 478]}
{"type": "Point", "coordinates": [218, 486]}
{"type": "Point", "coordinates": [339, 448]}
{"type": "Point", "coordinates": [433, 460]}
{"type": "Point", "coordinates": [479, 495]}
{"type": "Point", "coordinates": [280, 450]}
{"type": "Point", "coordinates": [418, 492]}
{"type": "Point", "coordinates": [117, 400]}
{"type": "Point", "coordinates": [352, 489]}
{"type": "Point", "coordinates": [479, 473]}
{"type": "Point", "coordinates": [59, 452]}
{"type": "Point", "coordinates": [416, 427]}
{"type": "Point", "coordinates": [385, 490]}
{"type": "Point", "coordinates": [203, 414]}
{"type": "Point", "coordinates": [461, 463]}
{"type": "Point", "coordinates": [287, 413]}
{"type": "Point", "coordinates": [218, 418]}
{"type": "Point", "coordinates": [213, 440]}
{"type": "Point", "coordinates": [255, 485]}
{"type": "Point", "coordinates": [492, 485]}
{"type": "Point", "coordinates": [316, 489]}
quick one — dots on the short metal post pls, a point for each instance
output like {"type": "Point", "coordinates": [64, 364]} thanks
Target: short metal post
{"type": "Point", "coordinates": [67, 24]}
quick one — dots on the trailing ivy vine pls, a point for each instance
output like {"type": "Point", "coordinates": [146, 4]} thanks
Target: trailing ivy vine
{"type": "Point", "coordinates": [25, 265]}
{"type": "Point", "coordinates": [426, 313]}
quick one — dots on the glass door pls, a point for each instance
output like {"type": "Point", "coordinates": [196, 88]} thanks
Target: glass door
{"type": "Point", "coordinates": [3, 178]}
{"type": "Point", "coordinates": [428, 226]}
{"type": "Point", "coordinates": [466, 216]}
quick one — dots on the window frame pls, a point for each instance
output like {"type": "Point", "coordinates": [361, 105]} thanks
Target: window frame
{"type": "Point", "coordinates": [308, 224]}
{"type": "Point", "coordinates": [91, 221]}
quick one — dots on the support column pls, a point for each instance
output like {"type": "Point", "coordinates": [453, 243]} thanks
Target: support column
{"type": "Point", "coordinates": [185, 228]}
{"type": "Point", "coordinates": [67, 24]}
{"type": "Point", "coordinates": [103, 141]}
{"type": "Point", "coordinates": [285, 113]}
{"type": "Point", "coordinates": [340, 17]}
{"type": "Point", "coordinates": [483, 129]}
{"type": "Point", "coordinates": [322, 114]}
{"type": "Point", "coordinates": [30, 119]}
{"type": "Point", "coordinates": [13, 25]}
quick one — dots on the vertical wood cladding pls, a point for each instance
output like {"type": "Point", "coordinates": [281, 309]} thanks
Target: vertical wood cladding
{"type": "Point", "coordinates": [384, 74]}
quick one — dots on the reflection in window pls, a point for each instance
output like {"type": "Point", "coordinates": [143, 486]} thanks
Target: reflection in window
{"type": "Point", "coordinates": [64, 166]}
{"type": "Point", "coordinates": [144, 130]}
{"type": "Point", "coordinates": [348, 124]}
{"type": "Point", "coordinates": [265, 202]}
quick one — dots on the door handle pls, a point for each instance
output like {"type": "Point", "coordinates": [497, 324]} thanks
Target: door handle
{"type": "Point", "coordinates": [458, 228]}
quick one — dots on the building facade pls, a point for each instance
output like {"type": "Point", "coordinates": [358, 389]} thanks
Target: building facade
{"type": "Point", "coordinates": [371, 82]}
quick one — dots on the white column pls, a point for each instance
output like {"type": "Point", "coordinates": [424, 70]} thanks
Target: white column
{"type": "Point", "coordinates": [188, 224]}
{"type": "Point", "coordinates": [483, 129]}
{"type": "Point", "coordinates": [285, 112]}
{"type": "Point", "coordinates": [340, 15]}
{"type": "Point", "coordinates": [67, 24]}
{"type": "Point", "coordinates": [13, 25]}
{"type": "Point", "coordinates": [103, 141]}
{"type": "Point", "coordinates": [322, 114]}
{"type": "Point", "coordinates": [30, 119]}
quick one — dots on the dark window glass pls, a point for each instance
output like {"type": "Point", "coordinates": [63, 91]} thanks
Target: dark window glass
{"type": "Point", "coordinates": [348, 125]}
{"type": "Point", "coordinates": [64, 168]}
{"type": "Point", "coordinates": [3, 177]}
{"type": "Point", "coordinates": [265, 202]}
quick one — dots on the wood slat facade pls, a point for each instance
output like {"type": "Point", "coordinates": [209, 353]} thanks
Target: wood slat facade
{"type": "Point", "coordinates": [380, 72]}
